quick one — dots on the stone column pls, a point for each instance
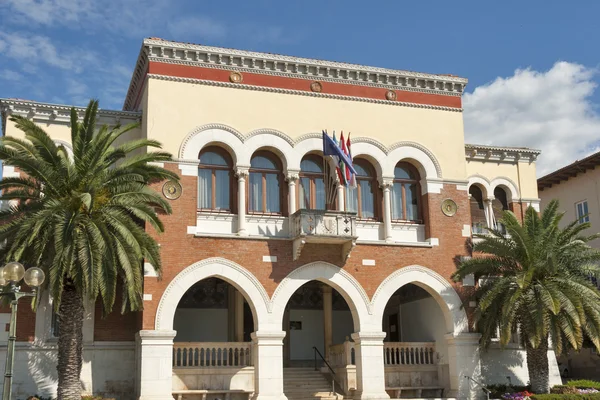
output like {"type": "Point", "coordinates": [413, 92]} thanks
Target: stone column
{"type": "Point", "coordinates": [154, 351]}
{"type": "Point", "coordinates": [268, 365]}
{"type": "Point", "coordinates": [463, 360]}
{"type": "Point", "coordinates": [387, 208]}
{"type": "Point", "coordinates": [292, 178]}
{"type": "Point", "coordinates": [370, 374]}
{"type": "Point", "coordinates": [489, 211]}
{"type": "Point", "coordinates": [239, 316]}
{"type": "Point", "coordinates": [327, 319]}
{"type": "Point", "coordinates": [340, 197]}
{"type": "Point", "coordinates": [242, 174]}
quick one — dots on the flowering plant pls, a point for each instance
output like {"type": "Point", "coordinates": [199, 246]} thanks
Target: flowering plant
{"type": "Point", "coordinates": [517, 396]}
{"type": "Point", "coordinates": [587, 391]}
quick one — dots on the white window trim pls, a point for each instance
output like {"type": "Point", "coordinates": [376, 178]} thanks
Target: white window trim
{"type": "Point", "coordinates": [577, 216]}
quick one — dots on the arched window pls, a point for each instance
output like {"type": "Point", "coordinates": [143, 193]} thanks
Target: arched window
{"type": "Point", "coordinates": [406, 193]}
{"type": "Point", "coordinates": [311, 191]}
{"type": "Point", "coordinates": [499, 205]}
{"type": "Point", "coordinates": [362, 199]}
{"type": "Point", "coordinates": [215, 177]}
{"type": "Point", "coordinates": [478, 212]}
{"type": "Point", "coordinates": [264, 185]}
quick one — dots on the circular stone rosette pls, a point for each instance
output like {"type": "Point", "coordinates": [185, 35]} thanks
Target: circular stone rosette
{"type": "Point", "coordinates": [172, 190]}
{"type": "Point", "coordinates": [316, 87]}
{"type": "Point", "coordinates": [449, 207]}
{"type": "Point", "coordinates": [390, 95]}
{"type": "Point", "coordinates": [236, 77]}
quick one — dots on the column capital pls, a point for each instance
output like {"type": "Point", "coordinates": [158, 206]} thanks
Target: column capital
{"type": "Point", "coordinates": [386, 182]}
{"type": "Point", "coordinates": [368, 338]}
{"type": "Point", "coordinates": [292, 175]}
{"type": "Point", "coordinates": [463, 339]}
{"type": "Point", "coordinates": [155, 335]}
{"type": "Point", "coordinates": [242, 172]}
{"type": "Point", "coordinates": [268, 338]}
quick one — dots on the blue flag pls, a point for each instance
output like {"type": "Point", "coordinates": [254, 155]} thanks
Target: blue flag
{"type": "Point", "coordinates": [331, 149]}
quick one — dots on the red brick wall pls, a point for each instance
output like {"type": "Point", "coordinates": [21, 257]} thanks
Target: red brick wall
{"type": "Point", "coordinates": [179, 250]}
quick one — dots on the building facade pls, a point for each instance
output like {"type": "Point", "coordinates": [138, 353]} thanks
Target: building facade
{"type": "Point", "coordinates": [576, 187]}
{"type": "Point", "coordinates": [263, 271]}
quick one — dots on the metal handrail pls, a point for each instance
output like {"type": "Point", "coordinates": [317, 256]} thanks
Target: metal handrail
{"type": "Point", "coordinates": [481, 385]}
{"type": "Point", "coordinates": [333, 381]}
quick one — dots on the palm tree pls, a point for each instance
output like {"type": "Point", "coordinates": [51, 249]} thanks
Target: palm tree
{"type": "Point", "coordinates": [81, 218]}
{"type": "Point", "coordinates": [535, 281]}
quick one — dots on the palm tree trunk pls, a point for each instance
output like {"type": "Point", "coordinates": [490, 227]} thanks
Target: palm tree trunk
{"type": "Point", "coordinates": [537, 364]}
{"type": "Point", "coordinates": [70, 344]}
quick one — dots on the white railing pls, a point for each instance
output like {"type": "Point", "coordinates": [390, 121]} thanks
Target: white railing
{"type": "Point", "coordinates": [342, 354]}
{"type": "Point", "coordinates": [212, 354]}
{"type": "Point", "coordinates": [409, 353]}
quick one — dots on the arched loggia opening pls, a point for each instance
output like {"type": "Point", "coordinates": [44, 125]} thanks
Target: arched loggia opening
{"type": "Point", "coordinates": [316, 316]}
{"type": "Point", "coordinates": [213, 322]}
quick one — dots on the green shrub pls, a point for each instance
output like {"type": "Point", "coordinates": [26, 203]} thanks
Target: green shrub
{"type": "Point", "coordinates": [584, 384]}
{"type": "Point", "coordinates": [564, 389]}
{"type": "Point", "coordinates": [595, 396]}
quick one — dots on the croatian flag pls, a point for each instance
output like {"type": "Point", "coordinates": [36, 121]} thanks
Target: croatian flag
{"type": "Point", "coordinates": [330, 148]}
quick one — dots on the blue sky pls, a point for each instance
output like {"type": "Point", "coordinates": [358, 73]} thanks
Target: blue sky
{"type": "Point", "coordinates": [532, 65]}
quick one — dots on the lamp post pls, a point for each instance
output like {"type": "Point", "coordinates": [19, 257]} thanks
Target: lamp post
{"type": "Point", "coordinates": [10, 280]}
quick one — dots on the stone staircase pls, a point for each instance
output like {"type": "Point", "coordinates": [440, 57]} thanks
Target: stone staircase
{"type": "Point", "coordinates": [307, 384]}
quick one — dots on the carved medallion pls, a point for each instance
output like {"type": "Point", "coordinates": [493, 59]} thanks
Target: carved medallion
{"type": "Point", "coordinates": [172, 190]}
{"type": "Point", "coordinates": [449, 207]}
{"type": "Point", "coordinates": [236, 77]}
{"type": "Point", "coordinates": [390, 95]}
{"type": "Point", "coordinates": [316, 87]}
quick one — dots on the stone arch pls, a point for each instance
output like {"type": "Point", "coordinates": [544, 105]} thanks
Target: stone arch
{"type": "Point", "coordinates": [483, 184]}
{"type": "Point", "coordinates": [438, 287]}
{"type": "Point", "coordinates": [217, 267]}
{"type": "Point", "coordinates": [370, 152]}
{"type": "Point", "coordinates": [306, 144]}
{"type": "Point", "coordinates": [426, 162]}
{"type": "Point", "coordinates": [271, 140]}
{"type": "Point", "coordinates": [218, 134]}
{"type": "Point", "coordinates": [332, 275]}
{"type": "Point", "coordinates": [509, 187]}
{"type": "Point", "coordinates": [67, 147]}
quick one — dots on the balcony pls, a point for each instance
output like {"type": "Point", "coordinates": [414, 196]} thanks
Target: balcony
{"type": "Point", "coordinates": [320, 226]}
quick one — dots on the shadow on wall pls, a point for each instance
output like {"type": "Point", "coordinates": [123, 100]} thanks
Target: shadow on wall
{"type": "Point", "coordinates": [35, 369]}
{"type": "Point", "coordinates": [498, 364]}
{"type": "Point", "coordinates": [112, 372]}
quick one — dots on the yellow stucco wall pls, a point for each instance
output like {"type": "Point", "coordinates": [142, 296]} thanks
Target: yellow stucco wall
{"type": "Point", "coordinates": [585, 186]}
{"type": "Point", "coordinates": [175, 108]}
{"type": "Point", "coordinates": [522, 174]}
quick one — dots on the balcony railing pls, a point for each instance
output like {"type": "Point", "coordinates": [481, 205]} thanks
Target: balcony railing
{"type": "Point", "coordinates": [409, 353]}
{"type": "Point", "coordinates": [212, 354]}
{"type": "Point", "coordinates": [320, 226]}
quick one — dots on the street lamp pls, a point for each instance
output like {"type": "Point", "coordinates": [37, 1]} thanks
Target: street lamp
{"type": "Point", "coordinates": [10, 280]}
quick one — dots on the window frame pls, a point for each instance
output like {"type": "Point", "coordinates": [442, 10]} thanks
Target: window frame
{"type": "Point", "coordinates": [403, 182]}
{"type": "Point", "coordinates": [229, 167]}
{"type": "Point", "coordinates": [371, 177]}
{"type": "Point", "coordinates": [313, 186]}
{"type": "Point", "coordinates": [280, 179]}
{"type": "Point", "coordinates": [585, 217]}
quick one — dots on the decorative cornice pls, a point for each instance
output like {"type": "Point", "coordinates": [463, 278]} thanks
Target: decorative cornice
{"type": "Point", "coordinates": [474, 152]}
{"type": "Point", "coordinates": [155, 49]}
{"type": "Point", "coordinates": [299, 92]}
{"type": "Point", "coordinates": [57, 113]}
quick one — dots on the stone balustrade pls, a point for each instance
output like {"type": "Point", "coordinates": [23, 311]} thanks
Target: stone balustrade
{"type": "Point", "coordinates": [409, 353]}
{"type": "Point", "coordinates": [212, 354]}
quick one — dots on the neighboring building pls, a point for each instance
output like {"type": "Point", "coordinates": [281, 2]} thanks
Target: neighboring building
{"type": "Point", "coordinates": [259, 268]}
{"type": "Point", "coordinates": [576, 187]}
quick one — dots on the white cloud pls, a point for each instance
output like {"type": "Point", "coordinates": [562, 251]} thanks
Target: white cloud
{"type": "Point", "coordinates": [10, 75]}
{"type": "Point", "coordinates": [550, 110]}
{"type": "Point", "coordinates": [37, 49]}
{"type": "Point", "coordinates": [48, 12]}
